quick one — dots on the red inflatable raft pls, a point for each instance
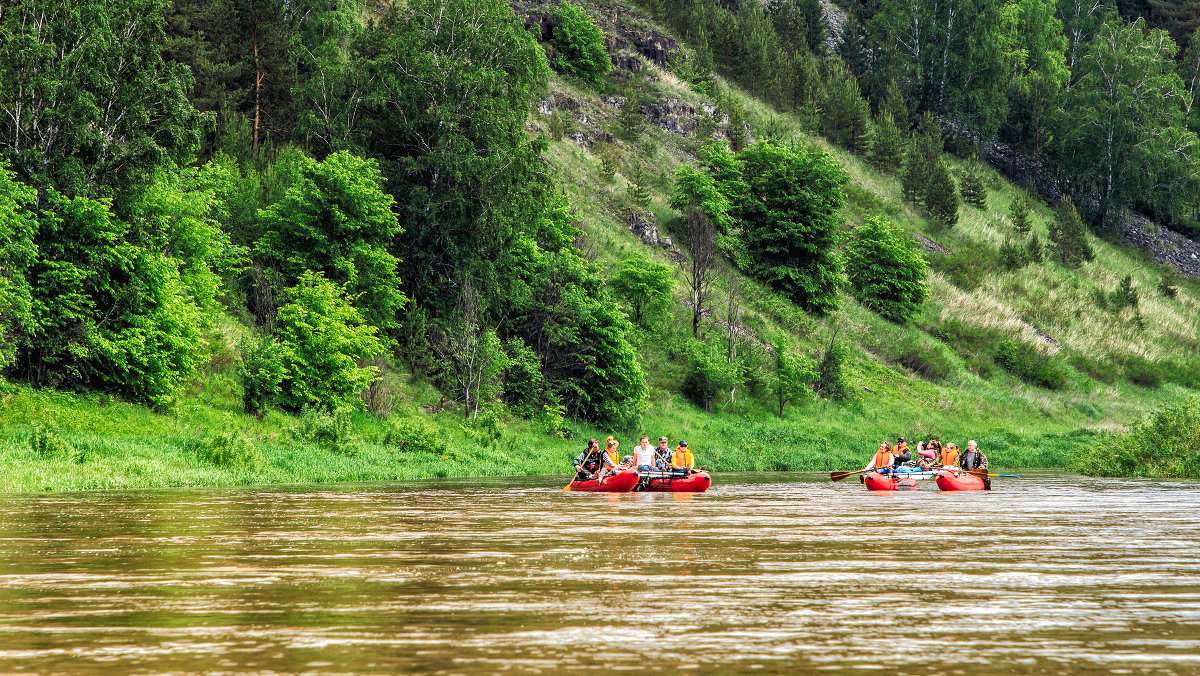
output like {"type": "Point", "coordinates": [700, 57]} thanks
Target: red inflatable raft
{"type": "Point", "coordinates": [887, 482]}
{"type": "Point", "coordinates": [622, 482]}
{"type": "Point", "coordinates": [952, 480]}
{"type": "Point", "coordinates": [695, 483]}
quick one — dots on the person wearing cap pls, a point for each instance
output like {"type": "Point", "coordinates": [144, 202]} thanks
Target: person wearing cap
{"type": "Point", "coordinates": [662, 454]}
{"type": "Point", "coordinates": [682, 460]}
{"type": "Point", "coordinates": [643, 455]}
{"type": "Point", "coordinates": [902, 454]}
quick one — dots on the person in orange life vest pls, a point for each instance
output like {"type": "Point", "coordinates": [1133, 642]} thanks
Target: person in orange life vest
{"type": "Point", "coordinates": [902, 453]}
{"type": "Point", "coordinates": [883, 459]}
{"type": "Point", "coordinates": [949, 455]}
{"type": "Point", "coordinates": [682, 460]}
{"type": "Point", "coordinates": [610, 463]}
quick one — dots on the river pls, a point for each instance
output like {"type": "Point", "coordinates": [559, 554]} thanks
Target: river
{"type": "Point", "coordinates": [1049, 573]}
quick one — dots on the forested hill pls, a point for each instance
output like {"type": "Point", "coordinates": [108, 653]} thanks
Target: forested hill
{"type": "Point", "coordinates": [313, 240]}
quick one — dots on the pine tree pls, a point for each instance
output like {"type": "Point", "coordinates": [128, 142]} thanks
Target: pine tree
{"type": "Point", "coordinates": [1019, 213]}
{"type": "Point", "coordinates": [893, 103]}
{"type": "Point", "coordinates": [973, 191]}
{"type": "Point", "coordinates": [638, 188]}
{"type": "Point", "coordinates": [736, 130]}
{"type": "Point", "coordinates": [845, 114]}
{"type": "Point", "coordinates": [887, 146]}
{"type": "Point", "coordinates": [1068, 236]}
{"type": "Point", "coordinates": [941, 197]}
{"type": "Point", "coordinates": [912, 183]}
{"type": "Point", "coordinates": [1012, 255]}
{"type": "Point", "coordinates": [629, 123]}
{"type": "Point", "coordinates": [1035, 249]}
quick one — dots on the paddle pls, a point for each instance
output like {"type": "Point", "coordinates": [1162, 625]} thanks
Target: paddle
{"type": "Point", "coordinates": [582, 464]}
{"type": "Point", "coordinates": [838, 476]}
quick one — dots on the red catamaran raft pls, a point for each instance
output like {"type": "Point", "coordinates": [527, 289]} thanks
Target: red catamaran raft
{"type": "Point", "coordinates": [954, 480]}
{"type": "Point", "coordinates": [659, 482]}
{"type": "Point", "coordinates": [875, 481]}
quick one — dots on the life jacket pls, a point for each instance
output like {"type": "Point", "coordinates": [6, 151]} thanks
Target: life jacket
{"type": "Point", "coordinates": [682, 458]}
{"type": "Point", "coordinates": [611, 456]}
{"type": "Point", "coordinates": [883, 459]}
{"type": "Point", "coordinates": [949, 456]}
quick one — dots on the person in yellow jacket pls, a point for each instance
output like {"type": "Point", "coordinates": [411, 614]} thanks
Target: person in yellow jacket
{"type": "Point", "coordinates": [682, 461]}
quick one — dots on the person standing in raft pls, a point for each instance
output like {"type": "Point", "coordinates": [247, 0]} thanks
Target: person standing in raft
{"type": "Point", "coordinates": [609, 461]}
{"type": "Point", "coordinates": [588, 461]}
{"type": "Point", "coordinates": [975, 459]}
{"type": "Point", "coordinates": [683, 463]}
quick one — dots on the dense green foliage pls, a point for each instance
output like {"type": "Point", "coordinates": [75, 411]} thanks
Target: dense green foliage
{"type": "Point", "coordinates": [886, 271]}
{"type": "Point", "coordinates": [580, 44]}
{"type": "Point", "coordinates": [1165, 445]}
{"type": "Point", "coordinates": [789, 217]}
{"type": "Point", "coordinates": [325, 208]}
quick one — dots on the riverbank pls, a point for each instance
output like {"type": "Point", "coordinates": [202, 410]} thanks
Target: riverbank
{"type": "Point", "coordinates": [54, 441]}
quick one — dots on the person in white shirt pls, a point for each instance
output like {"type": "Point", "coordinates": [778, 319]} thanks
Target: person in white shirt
{"type": "Point", "coordinates": [643, 455]}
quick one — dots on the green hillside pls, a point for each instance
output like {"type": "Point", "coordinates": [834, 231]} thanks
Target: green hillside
{"type": "Point", "coordinates": [295, 295]}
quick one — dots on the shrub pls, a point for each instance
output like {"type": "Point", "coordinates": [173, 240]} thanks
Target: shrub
{"type": "Point", "coordinates": [1013, 256]}
{"type": "Point", "coordinates": [966, 267]}
{"type": "Point", "coordinates": [886, 271]}
{"type": "Point", "coordinates": [1103, 370]}
{"type": "Point", "coordinates": [261, 371]}
{"type": "Point", "coordinates": [1141, 371]}
{"type": "Point", "coordinates": [1029, 364]}
{"type": "Point", "coordinates": [1185, 373]}
{"type": "Point", "coordinates": [831, 377]}
{"type": "Point", "coordinates": [709, 375]}
{"type": "Point", "coordinates": [923, 358]}
{"type": "Point", "coordinates": [329, 429]}
{"type": "Point", "coordinates": [322, 339]}
{"type": "Point", "coordinates": [580, 44]}
{"type": "Point", "coordinates": [1168, 284]}
{"type": "Point", "coordinates": [414, 435]}
{"type": "Point", "coordinates": [1167, 444]}
{"type": "Point", "coordinates": [44, 440]}
{"type": "Point", "coordinates": [228, 449]}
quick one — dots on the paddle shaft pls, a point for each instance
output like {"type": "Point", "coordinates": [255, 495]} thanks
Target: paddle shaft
{"type": "Point", "coordinates": [581, 465]}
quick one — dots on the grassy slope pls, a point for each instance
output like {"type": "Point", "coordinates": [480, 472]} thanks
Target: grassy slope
{"type": "Point", "coordinates": [118, 445]}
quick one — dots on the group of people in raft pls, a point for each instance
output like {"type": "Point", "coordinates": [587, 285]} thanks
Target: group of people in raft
{"type": "Point", "coordinates": [930, 455]}
{"type": "Point", "coordinates": [594, 463]}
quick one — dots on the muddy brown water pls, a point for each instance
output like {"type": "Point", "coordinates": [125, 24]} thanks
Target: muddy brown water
{"type": "Point", "coordinates": [1050, 573]}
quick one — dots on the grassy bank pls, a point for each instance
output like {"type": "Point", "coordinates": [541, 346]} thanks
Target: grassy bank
{"type": "Point", "coordinates": [53, 441]}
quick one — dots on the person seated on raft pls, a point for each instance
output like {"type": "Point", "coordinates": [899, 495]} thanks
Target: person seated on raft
{"type": "Point", "coordinates": [975, 459]}
{"type": "Point", "coordinates": [882, 460]}
{"type": "Point", "coordinates": [949, 455]}
{"type": "Point", "coordinates": [928, 452]}
{"type": "Point", "coordinates": [901, 452]}
{"type": "Point", "coordinates": [588, 461]}
{"type": "Point", "coordinates": [662, 454]}
{"type": "Point", "coordinates": [609, 461]}
{"type": "Point", "coordinates": [643, 456]}
{"type": "Point", "coordinates": [683, 463]}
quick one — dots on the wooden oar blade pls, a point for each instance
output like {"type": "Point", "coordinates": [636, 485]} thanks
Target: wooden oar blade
{"type": "Point", "coordinates": [838, 476]}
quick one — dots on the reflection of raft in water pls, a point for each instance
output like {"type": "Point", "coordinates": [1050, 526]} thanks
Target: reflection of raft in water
{"type": "Point", "coordinates": [650, 482]}
{"type": "Point", "coordinates": [889, 482]}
